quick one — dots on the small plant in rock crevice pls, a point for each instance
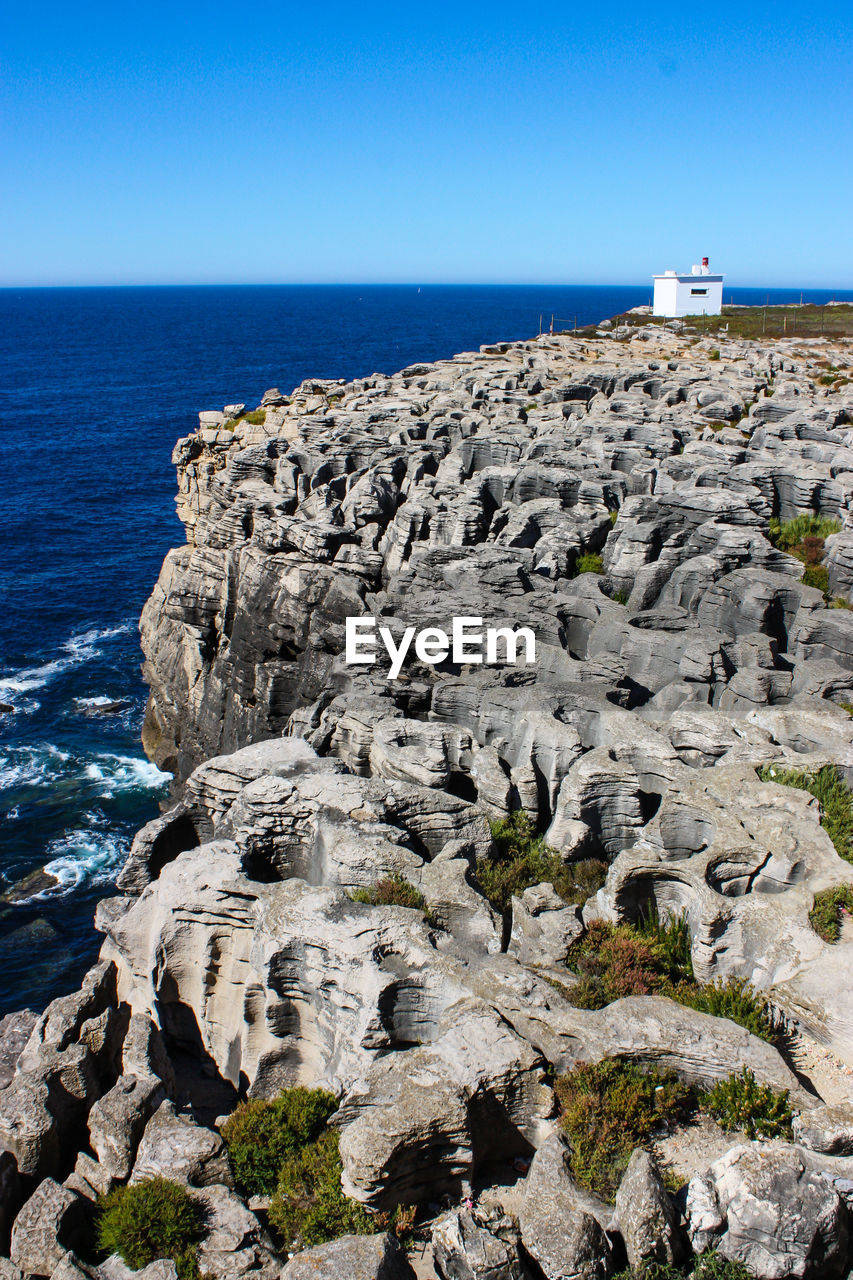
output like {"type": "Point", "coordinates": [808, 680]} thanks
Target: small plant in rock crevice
{"type": "Point", "coordinates": [653, 958]}
{"type": "Point", "coordinates": [394, 890]}
{"type": "Point", "coordinates": [804, 538]}
{"type": "Point", "coordinates": [588, 562]}
{"type": "Point", "coordinates": [609, 1108]}
{"type": "Point", "coordinates": [828, 910]}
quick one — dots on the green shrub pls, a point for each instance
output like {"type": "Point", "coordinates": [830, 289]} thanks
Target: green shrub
{"type": "Point", "coordinates": [309, 1206]}
{"type": "Point", "coordinates": [256, 417]}
{"type": "Point", "coordinates": [588, 562]}
{"type": "Point", "coordinates": [523, 859]}
{"type": "Point", "coordinates": [671, 935]}
{"type": "Point", "coordinates": [825, 916]}
{"type": "Point", "coordinates": [833, 794]}
{"type": "Point", "coordinates": [714, 353]}
{"type": "Point", "coordinates": [613, 961]}
{"type": "Point", "coordinates": [261, 1135]}
{"type": "Point", "coordinates": [614, 516]}
{"type": "Point", "coordinates": [653, 958]}
{"type": "Point", "coordinates": [740, 1102]}
{"type": "Point", "coordinates": [610, 1108]}
{"type": "Point", "coordinates": [790, 534]}
{"type": "Point", "coordinates": [149, 1220]}
{"type": "Point", "coordinates": [621, 597]}
{"type": "Point", "coordinates": [815, 575]}
{"type": "Point", "coordinates": [734, 999]}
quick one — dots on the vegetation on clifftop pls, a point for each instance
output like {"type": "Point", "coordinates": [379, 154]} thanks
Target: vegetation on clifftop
{"type": "Point", "coordinates": [652, 957]}
{"type": "Point", "coordinates": [523, 859]}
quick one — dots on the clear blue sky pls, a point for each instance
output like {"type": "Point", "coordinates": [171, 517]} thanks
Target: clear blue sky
{"type": "Point", "coordinates": [565, 142]}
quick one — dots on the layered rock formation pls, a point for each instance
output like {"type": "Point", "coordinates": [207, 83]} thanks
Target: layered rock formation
{"type": "Point", "coordinates": [614, 497]}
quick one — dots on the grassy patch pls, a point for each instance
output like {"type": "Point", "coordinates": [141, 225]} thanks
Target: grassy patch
{"type": "Point", "coordinates": [740, 1102]}
{"type": "Point", "coordinates": [257, 417]}
{"type": "Point", "coordinates": [714, 353]}
{"type": "Point", "coordinates": [309, 1206]}
{"type": "Point", "coordinates": [833, 794]}
{"type": "Point", "coordinates": [261, 1135]}
{"type": "Point", "coordinates": [826, 915]}
{"type": "Point", "coordinates": [608, 1109]}
{"type": "Point", "coordinates": [588, 562]}
{"type": "Point", "coordinates": [150, 1220]}
{"type": "Point", "coordinates": [807, 321]}
{"type": "Point", "coordinates": [523, 859]}
{"type": "Point", "coordinates": [708, 1265]}
{"type": "Point", "coordinates": [394, 891]}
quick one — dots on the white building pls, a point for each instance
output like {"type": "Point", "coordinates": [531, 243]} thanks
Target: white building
{"type": "Point", "coordinates": [689, 295]}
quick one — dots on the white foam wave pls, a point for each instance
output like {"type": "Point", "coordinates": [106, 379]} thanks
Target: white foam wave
{"type": "Point", "coordinates": [86, 856]}
{"type": "Point", "coordinates": [115, 774]}
{"type": "Point", "coordinates": [22, 766]}
{"type": "Point", "coordinates": [80, 648]}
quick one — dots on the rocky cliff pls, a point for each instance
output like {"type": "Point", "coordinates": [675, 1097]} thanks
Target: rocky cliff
{"type": "Point", "coordinates": [673, 523]}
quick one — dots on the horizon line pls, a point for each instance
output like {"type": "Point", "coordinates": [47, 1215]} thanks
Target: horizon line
{"type": "Point", "coordinates": [398, 284]}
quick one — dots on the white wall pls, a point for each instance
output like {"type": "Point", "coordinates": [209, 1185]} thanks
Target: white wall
{"type": "Point", "coordinates": [679, 296]}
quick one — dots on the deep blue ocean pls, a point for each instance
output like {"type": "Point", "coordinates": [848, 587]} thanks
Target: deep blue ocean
{"type": "Point", "coordinates": [95, 387]}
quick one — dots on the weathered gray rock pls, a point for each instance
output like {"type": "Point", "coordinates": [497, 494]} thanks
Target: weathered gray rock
{"type": "Point", "coordinates": [172, 1146]}
{"type": "Point", "coordinates": [351, 1258]}
{"type": "Point", "coordinates": [762, 1205]}
{"type": "Point", "coordinates": [464, 1248]}
{"type": "Point", "coordinates": [15, 1031]}
{"type": "Point", "coordinates": [51, 1222]}
{"type": "Point", "coordinates": [543, 927]}
{"type": "Point", "coordinates": [826, 1129]}
{"type": "Point", "coordinates": [558, 1226]}
{"type": "Point", "coordinates": [647, 1218]}
{"type": "Point", "coordinates": [117, 1120]}
{"type": "Point", "coordinates": [115, 1269]}
{"type": "Point", "coordinates": [235, 1244]}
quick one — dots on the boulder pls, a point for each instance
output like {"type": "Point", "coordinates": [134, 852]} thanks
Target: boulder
{"type": "Point", "coordinates": [647, 1218]}
{"type": "Point", "coordinates": [117, 1121]}
{"type": "Point", "coordinates": [464, 1248]}
{"type": "Point", "coordinates": [543, 927]}
{"type": "Point", "coordinates": [114, 1268]}
{"type": "Point", "coordinates": [558, 1228]}
{"type": "Point", "coordinates": [50, 1223]}
{"type": "Point", "coordinates": [235, 1243]}
{"type": "Point", "coordinates": [762, 1205]}
{"type": "Point", "coordinates": [377, 1257]}
{"type": "Point", "coordinates": [173, 1146]}
{"type": "Point", "coordinates": [827, 1129]}
{"type": "Point", "coordinates": [15, 1031]}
